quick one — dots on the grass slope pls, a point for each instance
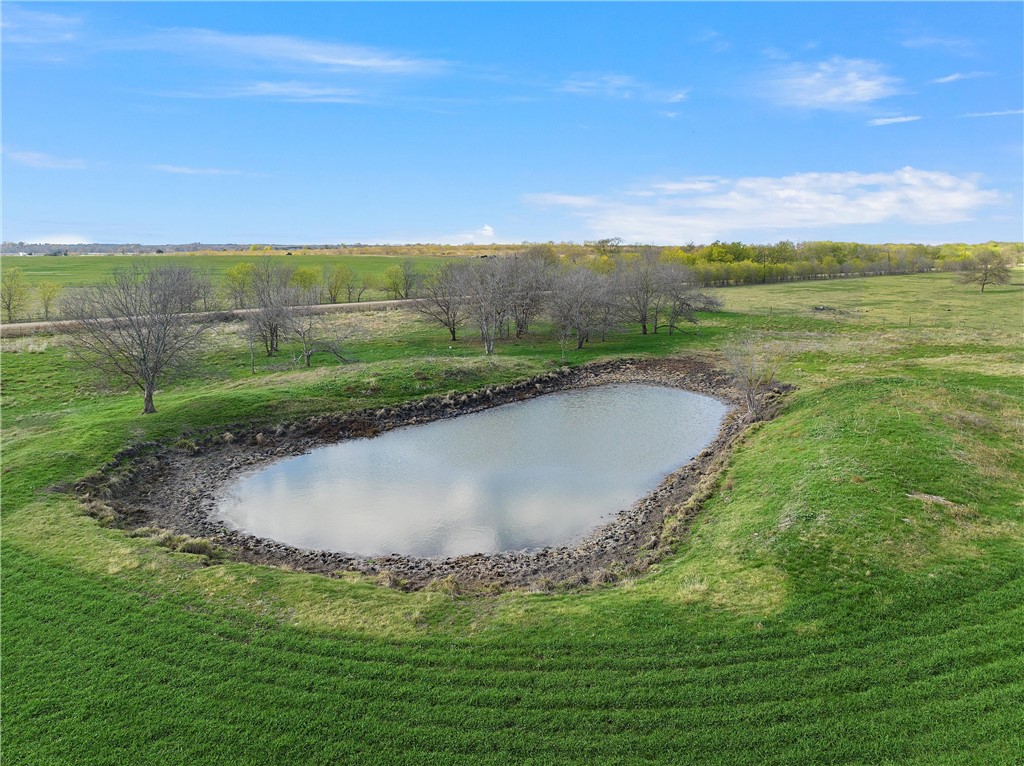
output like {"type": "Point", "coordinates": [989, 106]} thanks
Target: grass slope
{"type": "Point", "coordinates": [852, 592]}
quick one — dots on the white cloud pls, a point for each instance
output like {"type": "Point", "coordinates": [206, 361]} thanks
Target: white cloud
{"type": "Point", "coordinates": [700, 183]}
{"type": "Point", "coordinates": [1004, 113]}
{"type": "Point", "coordinates": [949, 44]}
{"type": "Point", "coordinates": [296, 91]}
{"type": "Point", "coordinates": [187, 171]}
{"type": "Point", "coordinates": [37, 28]}
{"type": "Point", "coordinates": [893, 120]}
{"type": "Point", "coordinates": [837, 83]}
{"type": "Point", "coordinates": [708, 208]}
{"type": "Point", "coordinates": [482, 236]}
{"type": "Point", "coordinates": [283, 50]}
{"type": "Point", "coordinates": [620, 86]}
{"type": "Point", "coordinates": [59, 239]}
{"type": "Point", "coordinates": [713, 39]}
{"type": "Point", "coordinates": [44, 161]}
{"type": "Point", "coordinates": [958, 76]}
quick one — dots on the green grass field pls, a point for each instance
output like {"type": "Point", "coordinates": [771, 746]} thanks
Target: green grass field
{"type": "Point", "coordinates": [852, 593]}
{"type": "Point", "coordinates": [77, 270]}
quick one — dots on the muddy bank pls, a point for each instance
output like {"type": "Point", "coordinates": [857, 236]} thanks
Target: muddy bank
{"type": "Point", "coordinates": [177, 487]}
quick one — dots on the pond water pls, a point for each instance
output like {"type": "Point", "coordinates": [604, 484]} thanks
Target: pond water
{"type": "Point", "coordinates": [526, 475]}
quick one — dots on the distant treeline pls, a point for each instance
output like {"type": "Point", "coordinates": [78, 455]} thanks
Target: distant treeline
{"type": "Point", "coordinates": [735, 263]}
{"type": "Point", "coordinates": [716, 264]}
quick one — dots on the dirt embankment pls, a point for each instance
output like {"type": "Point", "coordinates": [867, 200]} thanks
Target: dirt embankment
{"type": "Point", "coordinates": [177, 487]}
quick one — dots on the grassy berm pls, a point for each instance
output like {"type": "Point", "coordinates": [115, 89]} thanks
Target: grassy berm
{"type": "Point", "coordinates": [851, 593]}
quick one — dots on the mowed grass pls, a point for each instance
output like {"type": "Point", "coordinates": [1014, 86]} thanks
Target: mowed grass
{"type": "Point", "coordinates": [851, 593]}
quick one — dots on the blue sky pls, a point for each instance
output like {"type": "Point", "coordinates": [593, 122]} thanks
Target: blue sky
{"type": "Point", "coordinates": [660, 123]}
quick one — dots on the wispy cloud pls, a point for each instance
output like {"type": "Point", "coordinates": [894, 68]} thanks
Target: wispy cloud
{"type": "Point", "coordinates": [1004, 113]}
{"type": "Point", "coordinates": [620, 86]}
{"type": "Point", "coordinates": [188, 171]}
{"type": "Point", "coordinates": [22, 26]}
{"type": "Point", "coordinates": [837, 83]}
{"type": "Point", "coordinates": [291, 90]}
{"type": "Point", "coordinates": [956, 45]}
{"type": "Point", "coordinates": [893, 120]}
{"type": "Point", "coordinates": [288, 51]}
{"type": "Point", "coordinates": [707, 208]}
{"type": "Point", "coordinates": [44, 161]}
{"type": "Point", "coordinates": [958, 76]}
{"type": "Point", "coordinates": [713, 39]}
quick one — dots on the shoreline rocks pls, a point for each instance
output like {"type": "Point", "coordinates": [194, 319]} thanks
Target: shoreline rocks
{"type": "Point", "coordinates": [176, 486]}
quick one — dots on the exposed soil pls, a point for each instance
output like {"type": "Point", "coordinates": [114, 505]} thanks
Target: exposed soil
{"type": "Point", "coordinates": [176, 487]}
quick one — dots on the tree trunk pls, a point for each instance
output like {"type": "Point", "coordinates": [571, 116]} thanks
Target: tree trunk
{"type": "Point", "coordinates": [147, 407]}
{"type": "Point", "coordinates": [452, 331]}
{"type": "Point", "coordinates": [643, 328]}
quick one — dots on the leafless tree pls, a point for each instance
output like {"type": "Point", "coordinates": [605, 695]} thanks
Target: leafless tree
{"type": "Point", "coordinates": [638, 286]}
{"type": "Point", "coordinates": [575, 305]}
{"type": "Point", "coordinates": [987, 267]}
{"type": "Point", "coordinates": [488, 298]}
{"type": "Point", "coordinates": [680, 300]}
{"type": "Point", "coordinates": [754, 366]}
{"type": "Point", "coordinates": [272, 303]}
{"type": "Point", "coordinates": [528, 280]}
{"type": "Point", "coordinates": [139, 325]}
{"type": "Point", "coordinates": [443, 295]}
{"type": "Point", "coordinates": [313, 329]}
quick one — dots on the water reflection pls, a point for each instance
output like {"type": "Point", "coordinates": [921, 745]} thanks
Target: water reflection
{"type": "Point", "coordinates": [526, 475]}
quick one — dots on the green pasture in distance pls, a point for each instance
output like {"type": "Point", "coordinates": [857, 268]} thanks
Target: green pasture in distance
{"type": "Point", "coordinates": [850, 593]}
{"type": "Point", "coordinates": [77, 270]}
{"type": "Point", "coordinates": [934, 300]}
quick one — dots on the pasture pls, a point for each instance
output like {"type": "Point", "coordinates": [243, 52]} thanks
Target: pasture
{"type": "Point", "coordinates": [851, 592]}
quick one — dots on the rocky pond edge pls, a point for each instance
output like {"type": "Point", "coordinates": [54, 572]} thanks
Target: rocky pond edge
{"type": "Point", "coordinates": [175, 487]}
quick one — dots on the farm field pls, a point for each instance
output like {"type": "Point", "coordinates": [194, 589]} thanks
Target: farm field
{"type": "Point", "coordinates": [851, 592]}
{"type": "Point", "coordinates": [78, 270]}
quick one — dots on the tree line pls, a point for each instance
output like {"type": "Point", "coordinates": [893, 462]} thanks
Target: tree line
{"type": "Point", "coordinates": [143, 324]}
{"type": "Point", "coordinates": [503, 296]}
{"type": "Point", "coordinates": [720, 264]}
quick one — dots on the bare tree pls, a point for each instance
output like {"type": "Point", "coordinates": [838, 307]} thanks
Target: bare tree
{"type": "Point", "coordinates": [679, 299]}
{"type": "Point", "coordinates": [443, 296]}
{"type": "Point", "coordinates": [637, 286]}
{"type": "Point", "coordinates": [528, 281]}
{"type": "Point", "coordinates": [271, 299]}
{"type": "Point", "coordinates": [488, 298]}
{"type": "Point", "coordinates": [139, 324]}
{"type": "Point", "coordinates": [988, 267]}
{"type": "Point", "coordinates": [575, 305]}
{"type": "Point", "coordinates": [754, 366]}
{"type": "Point", "coordinates": [13, 292]}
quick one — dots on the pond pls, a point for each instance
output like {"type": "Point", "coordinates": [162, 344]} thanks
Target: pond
{"type": "Point", "coordinates": [538, 473]}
